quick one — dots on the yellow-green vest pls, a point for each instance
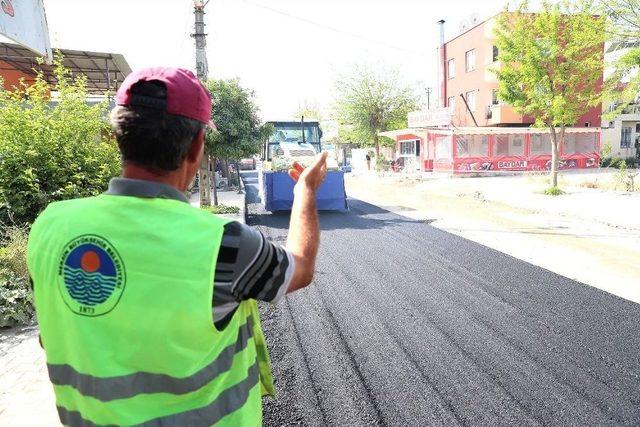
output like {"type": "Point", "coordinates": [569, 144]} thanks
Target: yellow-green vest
{"type": "Point", "coordinates": [123, 291]}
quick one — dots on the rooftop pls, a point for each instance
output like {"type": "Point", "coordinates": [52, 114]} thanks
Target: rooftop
{"type": "Point", "coordinates": [105, 71]}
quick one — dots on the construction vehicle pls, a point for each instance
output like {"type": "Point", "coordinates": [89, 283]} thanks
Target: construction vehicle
{"type": "Point", "coordinates": [300, 142]}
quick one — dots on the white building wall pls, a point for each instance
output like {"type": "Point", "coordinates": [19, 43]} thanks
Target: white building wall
{"type": "Point", "coordinates": [612, 134]}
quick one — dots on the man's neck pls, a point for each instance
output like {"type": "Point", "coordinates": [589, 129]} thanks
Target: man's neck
{"type": "Point", "coordinates": [173, 178]}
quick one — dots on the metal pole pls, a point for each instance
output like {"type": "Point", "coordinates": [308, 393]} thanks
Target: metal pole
{"type": "Point", "coordinates": [202, 71]}
{"type": "Point", "coordinates": [442, 69]}
{"type": "Point", "coordinates": [429, 90]}
{"type": "Point", "coordinates": [469, 109]}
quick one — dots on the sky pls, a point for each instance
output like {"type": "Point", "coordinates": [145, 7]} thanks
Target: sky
{"type": "Point", "coordinates": [288, 51]}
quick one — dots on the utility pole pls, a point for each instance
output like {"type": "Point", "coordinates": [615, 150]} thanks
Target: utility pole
{"type": "Point", "coordinates": [202, 71]}
{"type": "Point", "coordinates": [429, 90]}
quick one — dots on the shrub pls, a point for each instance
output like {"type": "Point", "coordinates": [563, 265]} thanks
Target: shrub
{"type": "Point", "coordinates": [52, 151]}
{"type": "Point", "coordinates": [382, 165]}
{"type": "Point", "coordinates": [610, 162]}
{"type": "Point", "coordinates": [222, 209]}
{"type": "Point", "coordinates": [631, 162]}
{"type": "Point", "coordinates": [553, 191]}
{"type": "Point", "coordinates": [16, 298]}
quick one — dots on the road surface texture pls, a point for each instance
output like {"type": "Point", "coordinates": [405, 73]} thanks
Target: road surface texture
{"type": "Point", "coordinates": [407, 325]}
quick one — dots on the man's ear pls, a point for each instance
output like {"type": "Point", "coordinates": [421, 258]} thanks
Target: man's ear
{"type": "Point", "coordinates": [197, 148]}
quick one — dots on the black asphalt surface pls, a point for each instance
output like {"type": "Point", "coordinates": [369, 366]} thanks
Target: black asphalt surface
{"type": "Point", "coordinates": [407, 325]}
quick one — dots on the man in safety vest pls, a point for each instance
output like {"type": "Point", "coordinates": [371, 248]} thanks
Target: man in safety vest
{"type": "Point", "coordinates": [147, 305]}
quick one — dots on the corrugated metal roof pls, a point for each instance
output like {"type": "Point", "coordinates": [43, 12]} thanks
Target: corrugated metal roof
{"type": "Point", "coordinates": [104, 70]}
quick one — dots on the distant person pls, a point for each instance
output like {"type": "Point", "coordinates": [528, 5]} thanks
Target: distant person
{"type": "Point", "coordinates": [147, 305]}
{"type": "Point", "coordinates": [368, 157]}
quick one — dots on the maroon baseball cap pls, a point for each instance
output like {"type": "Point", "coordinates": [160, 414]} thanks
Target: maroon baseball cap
{"type": "Point", "coordinates": [186, 95]}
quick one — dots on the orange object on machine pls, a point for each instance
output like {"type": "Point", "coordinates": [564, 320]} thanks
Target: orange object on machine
{"type": "Point", "coordinates": [295, 171]}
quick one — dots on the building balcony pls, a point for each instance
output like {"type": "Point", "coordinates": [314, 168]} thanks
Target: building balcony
{"type": "Point", "coordinates": [502, 115]}
{"type": "Point", "coordinates": [630, 113]}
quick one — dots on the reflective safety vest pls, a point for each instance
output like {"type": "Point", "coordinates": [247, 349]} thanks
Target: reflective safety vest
{"type": "Point", "coordinates": [123, 291]}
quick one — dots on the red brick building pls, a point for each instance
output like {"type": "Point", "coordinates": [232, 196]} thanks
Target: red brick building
{"type": "Point", "coordinates": [473, 131]}
{"type": "Point", "coordinates": [468, 60]}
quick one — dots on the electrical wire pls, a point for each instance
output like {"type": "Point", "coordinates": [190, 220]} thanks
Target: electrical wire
{"type": "Point", "coordinates": [334, 29]}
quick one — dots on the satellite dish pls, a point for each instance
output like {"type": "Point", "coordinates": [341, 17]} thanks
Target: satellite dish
{"type": "Point", "coordinates": [474, 19]}
{"type": "Point", "coordinates": [464, 25]}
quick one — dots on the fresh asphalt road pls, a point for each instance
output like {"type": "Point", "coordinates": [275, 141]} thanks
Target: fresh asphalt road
{"type": "Point", "coordinates": [408, 325]}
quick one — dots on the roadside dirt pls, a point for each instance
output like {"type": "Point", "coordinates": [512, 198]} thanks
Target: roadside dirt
{"type": "Point", "coordinates": [585, 250]}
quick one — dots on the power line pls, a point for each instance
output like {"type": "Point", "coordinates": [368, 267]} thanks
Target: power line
{"type": "Point", "coordinates": [334, 29]}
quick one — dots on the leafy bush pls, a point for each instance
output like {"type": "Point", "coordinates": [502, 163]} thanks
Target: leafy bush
{"type": "Point", "coordinates": [222, 209]}
{"type": "Point", "coordinates": [382, 164]}
{"type": "Point", "coordinates": [553, 191]}
{"type": "Point", "coordinates": [16, 298]}
{"type": "Point", "coordinates": [610, 162]}
{"type": "Point", "coordinates": [631, 162]}
{"type": "Point", "coordinates": [53, 146]}
{"type": "Point", "coordinates": [616, 162]}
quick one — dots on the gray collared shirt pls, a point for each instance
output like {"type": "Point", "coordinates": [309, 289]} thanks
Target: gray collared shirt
{"type": "Point", "coordinates": [248, 265]}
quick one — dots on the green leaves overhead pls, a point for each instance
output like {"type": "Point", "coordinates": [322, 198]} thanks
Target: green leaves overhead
{"type": "Point", "coordinates": [623, 84]}
{"type": "Point", "coordinates": [551, 61]}
{"type": "Point", "coordinates": [235, 113]}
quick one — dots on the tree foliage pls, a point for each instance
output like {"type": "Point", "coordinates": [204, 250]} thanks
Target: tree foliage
{"type": "Point", "coordinates": [240, 132]}
{"type": "Point", "coordinates": [551, 64]}
{"type": "Point", "coordinates": [310, 111]}
{"type": "Point", "coordinates": [52, 148]}
{"type": "Point", "coordinates": [369, 102]}
{"type": "Point", "coordinates": [623, 84]}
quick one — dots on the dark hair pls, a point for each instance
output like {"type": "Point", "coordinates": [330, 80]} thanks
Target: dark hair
{"type": "Point", "coordinates": [149, 136]}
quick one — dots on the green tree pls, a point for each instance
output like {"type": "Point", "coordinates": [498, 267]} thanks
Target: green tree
{"type": "Point", "coordinates": [310, 111]}
{"type": "Point", "coordinates": [552, 64]}
{"type": "Point", "coordinates": [53, 146]}
{"type": "Point", "coordinates": [369, 102]}
{"type": "Point", "coordinates": [623, 84]}
{"type": "Point", "coordinates": [240, 132]}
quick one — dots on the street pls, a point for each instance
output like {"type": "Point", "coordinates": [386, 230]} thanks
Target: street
{"type": "Point", "coordinates": [406, 324]}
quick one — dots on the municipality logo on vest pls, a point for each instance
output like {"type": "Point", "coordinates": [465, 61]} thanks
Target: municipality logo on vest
{"type": "Point", "coordinates": [92, 276]}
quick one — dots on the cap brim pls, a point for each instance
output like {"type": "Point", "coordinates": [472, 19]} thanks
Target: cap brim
{"type": "Point", "coordinates": [212, 125]}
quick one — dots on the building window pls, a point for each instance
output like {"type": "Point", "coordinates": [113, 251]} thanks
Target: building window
{"type": "Point", "coordinates": [471, 100]}
{"type": "Point", "coordinates": [625, 141]}
{"type": "Point", "coordinates": [443, 147]}
{"type": "Point", "coordinates": [495, 53]}
{"type": "Point", "coordinates": [470, 60]}
{"type": "Point", "coordinates": [451, 68]}
{"type": "Point", "coordinates": [540, 144]}
{"type": "Point", "coordinates": [472, 146]}
{"type": "Point", "coordinates": [587, 124]}
{"type": "Point", "coordinates": [637, 127]}
{"type": "Point", "coordinates": [408, 148]}
{"type": "Point", "coordinates": [580, 143]}
{"type": "Point", "coordinates": [494, 97]}
{"type": "Point", "coordinates": [451, 102]}
{"type": "Point", "coordinates": [509, 145]}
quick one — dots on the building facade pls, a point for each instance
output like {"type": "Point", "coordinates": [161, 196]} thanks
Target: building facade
{"type": "Point", "coordinates": [621, 133]}
{"type": "Point", "coordinates": [11, 76]}
{"type": "Point", "coordinates": [468, 60]}
{"type": "Point", "coordinates": [474, 132]}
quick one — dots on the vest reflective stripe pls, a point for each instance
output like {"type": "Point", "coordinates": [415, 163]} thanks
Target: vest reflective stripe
{"type": "Point", "coordinates": [126, 386]}
{"type": "Point", "coordinates": [150, 353]}
{"type": "Point", "coordinates": [229, 401]}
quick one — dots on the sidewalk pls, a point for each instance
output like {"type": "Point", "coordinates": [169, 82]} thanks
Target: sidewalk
{"type": "Point", "coordinates": [615, 208]}
{"type": "Point", "coordinates": [26, 396]}
{"type": "Point", "coordinates": [582, 235]}
{"type": "Point", "coordinates": [228, 198]}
